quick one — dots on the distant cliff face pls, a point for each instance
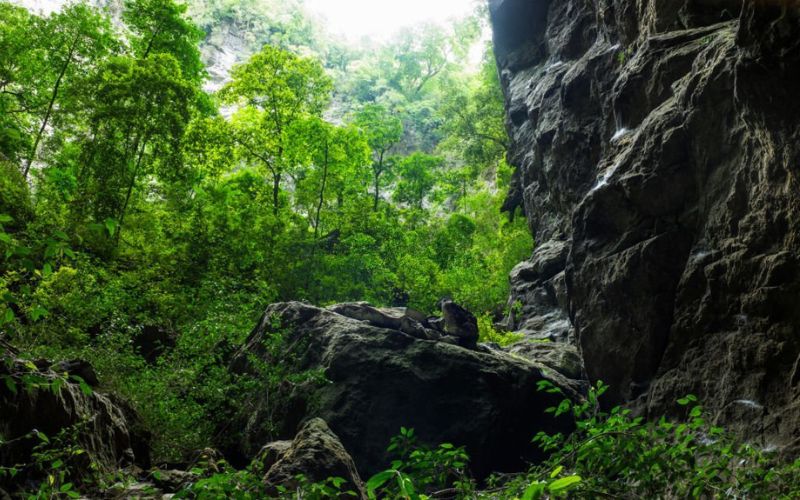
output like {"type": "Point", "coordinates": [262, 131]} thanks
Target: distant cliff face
{"type": "Point", "coordinates": [657, 144]}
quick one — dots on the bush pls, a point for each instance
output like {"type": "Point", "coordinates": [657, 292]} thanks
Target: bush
{"type": "Point", "coordinates": [419, 470]}
{"type": "Point", "coordinates": [617, 455]}
{"type": "Point", "coordinates": [15, 198]}
{"type": "Point", "coordinates": [488, 333]}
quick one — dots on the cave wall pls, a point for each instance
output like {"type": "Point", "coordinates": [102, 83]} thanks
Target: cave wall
{"type": "Point", "coordinates": [657, 147]}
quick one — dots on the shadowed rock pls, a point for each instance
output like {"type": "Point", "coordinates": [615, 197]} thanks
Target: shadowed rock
{"type": "Point", "coordinates": [46, 400]}
{"type": "Point", "coordinates": [657, 145]}
{"type": "Point", "coordinates": [317, 454]}
{"type": "Point", "coordinates": [382, 379]}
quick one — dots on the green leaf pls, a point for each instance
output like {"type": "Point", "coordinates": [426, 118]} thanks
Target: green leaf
{"type": "Point", "coordinates": [85, 388]}
{"type": "Point", "coordinates": [379, 479]}
{"type": "Point", "coordinates": [556, 471]}
{"type": "Point", "coordinates": [111, 226]}
{"type": "Point", "coordinates": [38, 312]}
{"type": "Point", "coordinates": [57, 464]}
{"type": "Point", "coordinates": [65, 487]}
{"type": "Point", "coordinates": [47, 269]}
{"type": "Point", "coordinates": [564, 484]}
{"type": "Point", "coordinates": [4, 219]}
{"type": "Point", "coordinates": [534, 491]}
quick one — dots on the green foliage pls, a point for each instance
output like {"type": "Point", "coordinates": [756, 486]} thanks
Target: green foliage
{"type": "Point", "coordinates": [417, 177]}
{"type": "Point", "coordinates": [616, 454]}
{"type": "Point", "coordinates": [420, 471]}
{"type": "Point", "coordinates": [161, 27]}
{"type": "Point", "coordinates": [58, 468]}
{"type": "Point", "coordinates": [488, 333]}
{"type": "Point", "coordinates": [129, 205]}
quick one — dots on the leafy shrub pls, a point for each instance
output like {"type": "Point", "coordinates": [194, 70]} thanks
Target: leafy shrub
{"type": "Point", "coordinates": [419, 469]}
{"type": "Point", "coordinates": [488, 333]}
{"type": "Point", "coordinates": [14, 195]}
{"type": "Point", "coordinates": [617, 455]}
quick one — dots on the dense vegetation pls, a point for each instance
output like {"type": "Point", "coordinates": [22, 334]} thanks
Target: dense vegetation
{"type": "Point", "coordinates": [611, 455]}
{"type": "Point", "coordinates": [146, 222]}
{"type": "Point", "coordinates": [147, 216]}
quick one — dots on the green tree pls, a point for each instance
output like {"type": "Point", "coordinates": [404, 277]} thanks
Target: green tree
{"type": "Point", "coordinates": [338, 157]}
{"type": "Point", "coordinates": [473, 117]}
{"type": "Point", "coordinates": [276, 91]}
{"type": "Point", "coordinates": [417, 177]}
{"type": "Point", "coordinates": [142, 107]}
{"type": "Point", "coordinates": [21, 64]}
{"type": "Point", "coordinates": [161, 27]}
{"type": "Point", "coordinates": [75, 39]}
{"type": "Point", "coordinates": [383, 131]}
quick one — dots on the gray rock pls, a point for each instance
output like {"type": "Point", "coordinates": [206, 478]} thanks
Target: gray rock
{"type": "Point", "coordinates": [269, 454]}
{"type": "Point", "coordinates": [383, 379]}
{"type": "Point", "coordinates": [95, 422]}
{"type": "Point", "coordinates": [659, 141]}
{"type": "Point", "coordinates": [561, 357]}
{"type": "Point", "coordinates": [317, 454]}
{"type": "Point", "coordinates": [459, 323]}
{"type": "Point", "coordinates": [172, 481]}
{"type": "Point", "coordinates": [77, 368]}
{"type": "Point", "coordinates": [395, 318]}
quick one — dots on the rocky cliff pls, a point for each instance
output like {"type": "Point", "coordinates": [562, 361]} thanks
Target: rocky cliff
{"type": "Point", "coordinates": [657, 146]}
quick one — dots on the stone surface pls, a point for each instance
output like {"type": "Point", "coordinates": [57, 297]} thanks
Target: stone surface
{"type": "Point", "coordinates": [559, 356]}
{"type": "Point", "coordinates": [171, 480]}
{"type": "Point", "coordinates": [403, 319]}
{"type": "Point", "coordinates": [269, 454]}
{"type": "Point", "coordinates": [657, 143]}
{"type": "Point", "coordinates": [317, 454]}
{"type": "Point", "coordinates": [459, 323]}
{"type": "Point", "coordinates": [30, 402]}
{"type": "Point", "coordinates": [381, 379]}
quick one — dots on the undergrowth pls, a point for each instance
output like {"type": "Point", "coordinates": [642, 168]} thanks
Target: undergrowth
{"type": "Point", "coordinates": [610, 455]}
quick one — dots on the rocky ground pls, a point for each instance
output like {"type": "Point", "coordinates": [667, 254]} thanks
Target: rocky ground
{"type": "Point", "coordinates": [354, 375]}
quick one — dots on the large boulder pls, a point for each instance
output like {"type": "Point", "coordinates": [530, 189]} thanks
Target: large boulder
{"type": "Point", "coordinates": [381, 379]}
{"type": "Point", "coordinates": [657, 147]}
{"type": "Point", "coordinates": [43, 399]}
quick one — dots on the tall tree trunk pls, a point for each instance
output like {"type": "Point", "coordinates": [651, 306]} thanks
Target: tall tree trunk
{"type": "Point", "coordinates": [276, 191]}
{"type": "Point", "coordinates": [51, 105]}
{"type": "Point", "coordinates": [321, 191]}
{"type": "Point", "coordinates": [378, 171]}
{"type": "Point", "coordinates": [150, 42]}
{"type": "Point", "coordinates": [131, 185]}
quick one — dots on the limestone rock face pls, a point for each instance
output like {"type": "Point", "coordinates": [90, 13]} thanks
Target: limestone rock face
{"type": "Point", "coordinates": [381, 379]}
{"type": "Point", "coordinates": [48, 399]}
{"type": "Point", "coordinates": [657, 146]}
{"type": "Point", "coordinates": [317, 454]}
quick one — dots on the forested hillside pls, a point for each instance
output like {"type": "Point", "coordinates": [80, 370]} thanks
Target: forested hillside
{"type": "Point", "coordinates": [147, 222]}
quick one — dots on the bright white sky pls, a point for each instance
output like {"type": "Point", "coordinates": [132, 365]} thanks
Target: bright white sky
{"type": "Point", "coordinates": [379, 19]}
